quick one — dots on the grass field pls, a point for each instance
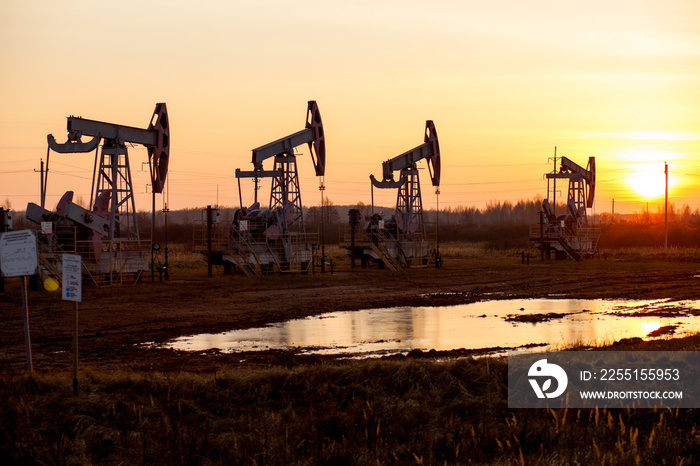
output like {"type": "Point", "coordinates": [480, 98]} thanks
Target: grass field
{"type": "Point", "coordinates": [361, 412]}
{"type": "Point", "coordinates": [181, 255]}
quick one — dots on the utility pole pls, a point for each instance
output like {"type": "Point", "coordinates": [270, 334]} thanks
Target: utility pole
{"type": "Point", "coordinates": [554, 190]}
{"type": "Point", "coordinates": [322, 187]}
{"type": "Point", "coordinates": [437, 216]}
{"type": "Point", "coordinates": [438, 260]}
{"type": "Point", "coordinates": [209, 250]}
{"type": "Point", "coordinates": [166, 265]}
{"type": "Point", "coordinates": [153, 233]}
{"type": "Point", "coordinates": [666, 208]}
{"type": "Point", "coordinates": [165, 211]}
{"type": "Point", "coordinates": [42, 194]}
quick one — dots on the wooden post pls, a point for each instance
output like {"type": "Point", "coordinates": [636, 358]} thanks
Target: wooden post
{"type": "Point", "coordinates": [209, 220]}
{"type": "Point", "coordinates": [72, 290]}
{"type": "Point", "coordinates": [25, 313]}
{"type": "Point", "coordinates": [75, 348]}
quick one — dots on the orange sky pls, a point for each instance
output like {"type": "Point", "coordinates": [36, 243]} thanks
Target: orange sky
{"type": "Point", "coordinates": [504, 81]}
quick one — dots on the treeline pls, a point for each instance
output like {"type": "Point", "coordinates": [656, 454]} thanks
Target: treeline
{"type": "Point", "coordinates": [500, 225]}
{"type": "Point", "coordinates": [648, 229]}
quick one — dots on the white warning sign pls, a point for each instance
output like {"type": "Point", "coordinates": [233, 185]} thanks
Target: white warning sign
{"type": "Point", "coordinates": [72, 278]}
{"type": "Point", "coordinates": [18, 255]}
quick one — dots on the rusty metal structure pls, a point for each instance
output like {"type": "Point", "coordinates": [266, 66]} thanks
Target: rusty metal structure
{"type": "Point", "coordinates": [106, 235]}
{"type": "Point", "coordinates": [274, 239]}
{"type": "Point", "coordinates": [569, 234]}
{"type": "Point", "coordinates": [400, 240]}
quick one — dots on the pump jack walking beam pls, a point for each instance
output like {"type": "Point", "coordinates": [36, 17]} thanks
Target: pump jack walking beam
{"type": "Point", "coordinates": [285, 183]}
{"type": "Point", "coordinates": [408, 201]}
{"type": "Point", "coordinates": [112, 180]}
{"type": "Point", "coordinates": [429, 150]}
{"type": "Point", "coordinates": [312, 135]}
{"type": "Point", "coordinates": [156, 138]}
{"type": "Point", "coordinates": [571, 170]}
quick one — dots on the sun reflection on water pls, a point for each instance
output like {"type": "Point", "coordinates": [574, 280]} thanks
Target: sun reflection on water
{"type": "Point", "coordinates": [556, 323]}
{"type": "Point", "coordinates": [648, 327]}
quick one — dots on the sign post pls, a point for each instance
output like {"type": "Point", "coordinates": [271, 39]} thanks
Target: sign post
{"type": "Point", "coordinates": [19, 258]}
{"type": "Point", "coordinates": [25, 317]}
{"type": "Point", "coordinates": [72, 290]}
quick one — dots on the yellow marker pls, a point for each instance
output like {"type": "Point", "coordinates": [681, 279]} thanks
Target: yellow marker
{"type": "Point", "coordinates": [50, 284]}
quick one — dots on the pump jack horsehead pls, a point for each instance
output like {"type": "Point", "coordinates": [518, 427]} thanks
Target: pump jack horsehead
{"type": "Point", "coordinates": [264, 240]}
{"type": "Point", "coordinates": [400, 240]}
{"type": "Point", "coordinates": [108, 236]}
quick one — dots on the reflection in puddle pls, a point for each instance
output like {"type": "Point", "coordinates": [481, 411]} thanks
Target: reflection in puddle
{"type": "Point", "coordinates": [486, 324]}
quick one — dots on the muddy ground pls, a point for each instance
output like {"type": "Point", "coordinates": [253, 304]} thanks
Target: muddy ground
{"type": "Point", "coordinates": [115, 322]}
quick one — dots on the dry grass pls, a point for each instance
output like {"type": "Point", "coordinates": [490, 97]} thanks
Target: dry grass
{"type": "Point", "coordinates": [361, 412]}
{"type": "Point", "coordinates": [463, 250]}
{"type": "Point", "coordinates": [672, 254]}
{"type": "Point", "coordinates": [181, 256]}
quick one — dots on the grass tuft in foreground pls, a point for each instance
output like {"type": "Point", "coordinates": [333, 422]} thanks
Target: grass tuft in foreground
{"type": "Point", "coordinates": [360, 412]}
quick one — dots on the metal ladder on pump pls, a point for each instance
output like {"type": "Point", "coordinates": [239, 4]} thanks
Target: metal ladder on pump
{"type": "Point", "coordinates": [244, 253]}
{"type": "Point", "coordinates": [569, 250]}
{"type": "Point", "coordinates": [383, 252]}
{"type": "Point", "coordinates": [50, 266]}
{"type": "Point", "coordinates": [63, 240]}
{"type": "Point", "coordinates": [564, 243]}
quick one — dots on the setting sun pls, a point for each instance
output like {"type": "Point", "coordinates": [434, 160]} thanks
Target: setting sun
{"type": "Point", "coordinates": [648, 181]}
{"type": "Point", "coordinates": [643, 170]}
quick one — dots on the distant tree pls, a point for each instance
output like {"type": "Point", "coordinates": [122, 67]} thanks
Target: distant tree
{"type": "Point", "coordinates": [323, 219]}
{"type": "Point", "coordinates": [471, 216]}
{"type": "Point", "coordinates": [607, 218]}
{"type": "Point", "coordinates": [672, 213]}
{"type": "Point", "coordinates": [330, 213]}
{"type": "Point", "coordinates": [365, 209]}
{"type": "Point", "coordinates": [7, 205]}
{"type": "Point", "coordinates": [685, 214]}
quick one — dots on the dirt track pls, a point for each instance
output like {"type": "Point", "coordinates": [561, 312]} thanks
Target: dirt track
{"type": "Point", "coordinates": [114, 321]}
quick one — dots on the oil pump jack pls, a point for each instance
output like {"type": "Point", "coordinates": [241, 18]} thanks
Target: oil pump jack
{"type": "Point", "coordinates": [107, 234]}
{"type": "Point", "coordinates": [400, 240]}
{"type": "Point", "coordinates": [264, 240]}
{"type": "Point", "coordinates": [569, 234]}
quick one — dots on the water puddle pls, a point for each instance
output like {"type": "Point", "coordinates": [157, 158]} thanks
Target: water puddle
{"type": "Point", "coordinates": [554, 323]}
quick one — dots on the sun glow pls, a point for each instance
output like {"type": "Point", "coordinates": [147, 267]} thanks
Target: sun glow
{"type": "Point", "coordinates": [645, 171]}
{"type": "Point", "coordinates": [648, 181]}
{"type": "Point", "coordinates": [649, 327]}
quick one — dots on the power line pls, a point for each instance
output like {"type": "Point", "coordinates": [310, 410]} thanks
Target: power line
{"type": "Point", "coordinates": [486, 182]}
